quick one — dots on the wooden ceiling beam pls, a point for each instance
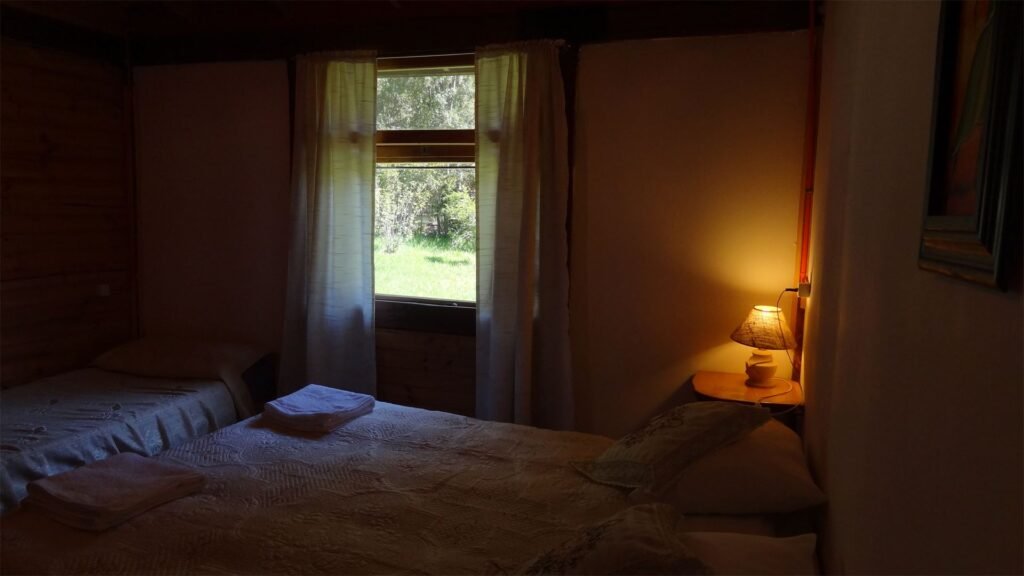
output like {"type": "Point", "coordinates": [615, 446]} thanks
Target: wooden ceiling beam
{"type": "Point", "coordinates": [180, 31]}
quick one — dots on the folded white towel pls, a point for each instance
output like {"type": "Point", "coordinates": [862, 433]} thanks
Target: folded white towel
{"type": "Point", "coordinates": [108, 492]}
{"type": "Point", "coordinates": [318, 408]}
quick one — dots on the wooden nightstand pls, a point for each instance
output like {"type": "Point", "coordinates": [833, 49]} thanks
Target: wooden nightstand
{"type": "Point", "coordinates": [730, 387]}
{"type": "Point", "coordinates": [261, 379]}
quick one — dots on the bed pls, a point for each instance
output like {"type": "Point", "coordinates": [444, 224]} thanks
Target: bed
{"type": "Point", "coordinates": [400, 490]}
{"type": "Point", "coordinates": [134, 405]}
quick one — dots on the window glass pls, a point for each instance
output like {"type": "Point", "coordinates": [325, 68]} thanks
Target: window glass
{"type": "Point", "coordinates": [443, 101]}
{"type": "Point", "coordinates": [425, 230]}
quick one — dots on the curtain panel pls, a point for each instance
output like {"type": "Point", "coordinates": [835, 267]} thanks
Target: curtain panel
{"type": "Point", "coordinates": [329, 325]}
{"type": "Point", "coordinates": [523, 363]}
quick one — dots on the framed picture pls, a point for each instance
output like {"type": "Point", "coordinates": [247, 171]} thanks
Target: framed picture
{"type": "Point", "coordinates": [972, 207]}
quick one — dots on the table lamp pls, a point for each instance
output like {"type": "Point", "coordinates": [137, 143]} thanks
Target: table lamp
{"type": "Point", "coordinates": [764, 329]}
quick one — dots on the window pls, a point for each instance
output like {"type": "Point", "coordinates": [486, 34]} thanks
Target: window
{"type": "Point", "coordinates": [425, 213]}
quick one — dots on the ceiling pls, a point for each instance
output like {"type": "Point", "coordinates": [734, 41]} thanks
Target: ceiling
{"type": "Point", "coordinates": [158, 31]}
{"type": "Point", "coordinates": [166, 18]}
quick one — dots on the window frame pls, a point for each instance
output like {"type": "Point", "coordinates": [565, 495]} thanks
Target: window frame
{"type": "Point", "coordinates": [428, 146]}
{"type": "Point", "coordinates": [412, 313]}
{"type": "Point", "coordinates": [400, 146]}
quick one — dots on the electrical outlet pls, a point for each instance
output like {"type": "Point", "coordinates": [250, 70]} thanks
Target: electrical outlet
{"type": "Point", "coordinates": [804, 290]}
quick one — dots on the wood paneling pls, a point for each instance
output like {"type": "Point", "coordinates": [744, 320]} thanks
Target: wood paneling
{"type": "Point", "coordinates": [212, 160]}
{"type": "Point", "coordinates": [427, 370]}
{"type": "Point", "coordinates": [66, 217]}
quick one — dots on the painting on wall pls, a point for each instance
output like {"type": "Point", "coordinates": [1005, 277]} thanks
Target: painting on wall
{"type": "Point", "coordinates": [973, 198]}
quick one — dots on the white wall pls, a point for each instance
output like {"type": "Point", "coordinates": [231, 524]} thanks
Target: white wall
{"type": "Point", "coordinates": [685, 207]}
{"type": "Point", "coordinates": [212, 159]}
{"type": "Point", "coordinates": [914, 417]}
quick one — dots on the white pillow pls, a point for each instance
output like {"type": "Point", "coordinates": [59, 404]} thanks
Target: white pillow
{"type": "Point", "coordinates": [638, 540]}
{"type": "Point", "coordinates": [163, 357]}
{"type": "Point", "coordinates": [762, 473]}
{"type": "Point", "coordinates": [671, 441]}
{"type": "Point", "coordinates": [727, 553]}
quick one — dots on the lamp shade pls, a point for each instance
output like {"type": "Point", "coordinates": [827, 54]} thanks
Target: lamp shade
{"type": "Point", "coordinates": [765, 328]}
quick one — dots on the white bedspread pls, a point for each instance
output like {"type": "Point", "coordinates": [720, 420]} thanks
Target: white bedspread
{"type": "Point", "coordinates": [400, 490]}
{"type": "Point", "coordinates": [59, 423]}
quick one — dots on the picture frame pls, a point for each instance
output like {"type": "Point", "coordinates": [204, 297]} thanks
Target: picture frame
{"type": "Point", "coordinates": [972, 204]}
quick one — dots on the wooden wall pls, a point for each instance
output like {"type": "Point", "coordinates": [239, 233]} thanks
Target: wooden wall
{"type": "Point", "coordinates": [213, 200]}
{"type": "Point", "coordinates": [66, 216]}
{"type": "Point", "coordinates": [427, 370]}
{"type": "Point", "coordinates": [710, 228]}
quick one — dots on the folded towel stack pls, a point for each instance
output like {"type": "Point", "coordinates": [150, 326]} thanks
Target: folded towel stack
{"type": "Point", "coordinates": [317, 408]}
{"type": "Point", "coordinates": [106, 493]}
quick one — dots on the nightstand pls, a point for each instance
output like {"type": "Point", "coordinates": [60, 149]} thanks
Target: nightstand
{"type": "Point", "coordinates": [261, 379]}
{"type": "Point", "coordinates": [730, 387]}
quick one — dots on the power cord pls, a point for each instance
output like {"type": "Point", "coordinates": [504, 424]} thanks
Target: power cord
{"type": "Point", "coordinates": [787, 410]}
{"type": "Point", "coordinates": [783, 393]}
{"type": "Point", "coordinates": [789, 356]}
{"type": "Point", "coordinates": [778, 318]}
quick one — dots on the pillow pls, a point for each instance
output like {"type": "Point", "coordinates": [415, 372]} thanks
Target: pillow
{"type": "Point", "coordinates": [763, 473]}
{"type": "Point", "coordinates": [727, 553]}
{"type": "Point", "coordinates": [760, 524]}
{"type": "Point", "coordinates": [656, 453]}
{"type": "Point", "coordinates": [162, 357]}
{"type": "Point", "coordinates": [638, 540]}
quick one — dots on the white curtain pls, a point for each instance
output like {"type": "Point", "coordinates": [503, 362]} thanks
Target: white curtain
{"type": "Point", "coordinates": [523, 365]}
{"type": "Point", "coordinates": [328, 331]}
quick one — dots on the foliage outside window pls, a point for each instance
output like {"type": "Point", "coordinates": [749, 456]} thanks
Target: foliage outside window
{"type": "Point", "coordinates": [425, 102]}
{"type": "Point", "coordinates": [425, 214]}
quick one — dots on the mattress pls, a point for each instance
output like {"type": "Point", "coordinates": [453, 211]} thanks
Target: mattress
{"type": "Point", "coordinates": [59, 423]}
{"type": "Point", "coordinates": [400, 490]}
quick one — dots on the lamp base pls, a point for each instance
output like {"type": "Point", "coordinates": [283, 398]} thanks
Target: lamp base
{"type": "Point", "coordinates": [761, 368]}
